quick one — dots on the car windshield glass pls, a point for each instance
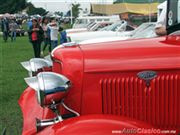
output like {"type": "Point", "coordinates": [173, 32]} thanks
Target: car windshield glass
{"type": "Point", "coordinates": [147, 32]}
{"type": "Point", "coordinates": [81, 21]}
{"type": "Point", "coordinates": [91, 25]}
{"type": "Point", "coordinates": [141, 28]}
{"type": "Point", "coordinates": [94, 26]}
{"type": "Point", "coordinates": [111, 27]}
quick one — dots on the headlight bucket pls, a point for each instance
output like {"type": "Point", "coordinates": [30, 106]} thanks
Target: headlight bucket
{"type": "Point", "coordinates": [35, 65]}
{"type": "Point", "coordinates": [49, 87]}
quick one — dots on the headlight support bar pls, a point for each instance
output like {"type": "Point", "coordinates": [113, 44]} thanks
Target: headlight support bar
{"type": "Point", "coordinates": [47, 122]}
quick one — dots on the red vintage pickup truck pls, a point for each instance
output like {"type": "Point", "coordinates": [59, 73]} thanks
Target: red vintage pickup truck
{"type": "Point", "coordinates": [120, 87]}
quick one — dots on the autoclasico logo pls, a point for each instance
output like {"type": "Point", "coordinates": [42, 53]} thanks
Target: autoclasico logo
{"type": "Point", "coordinates": [143, 131]}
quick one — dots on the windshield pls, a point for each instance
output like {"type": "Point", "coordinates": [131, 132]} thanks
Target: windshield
{"type": "Point", "coordinates": [81, 21]}
{"type": "Point", "coordinates": [147, 32]}
{"type": "Point", "coordinates": [94, 27]}
{"type": "Point", "coordinates": [91, 25]}
{"type": "Point", "coordinates": [100, 26]}
{"type": "Point", "coordinates": [141, 28]}
{"type": "Point", "coordinates": [112, 27]}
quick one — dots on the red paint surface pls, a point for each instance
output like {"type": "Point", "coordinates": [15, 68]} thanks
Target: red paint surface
{"type": "Point", "coordinates": [104, 81]}
{"type": "Point", "coordinates": [94, 125]}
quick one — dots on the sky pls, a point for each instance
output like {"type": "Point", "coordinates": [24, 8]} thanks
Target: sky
{"type": "Point", "coordinates": [64, 5]}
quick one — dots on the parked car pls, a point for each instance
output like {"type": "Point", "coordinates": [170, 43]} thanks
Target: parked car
{"type": "Point", "coordinates": [115, 29]}
{"type": "Point", "coordinates": [92, 26]}
{"type": "Point", "coordinates": [81, 22]}
{"type": "Point", "coordinates": [106, 88]}
{"type": "Point", "coordinates": [145, 30]}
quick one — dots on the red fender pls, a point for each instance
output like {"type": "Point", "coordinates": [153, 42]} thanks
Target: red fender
{"type": "Point", "coordinates": [88, 124]}
{"type": "Point", "coordinates": [98, 125]}
{"type": "Point", "coordinates": [32, 110]}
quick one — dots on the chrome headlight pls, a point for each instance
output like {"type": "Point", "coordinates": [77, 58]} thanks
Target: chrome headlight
{"type": "Point", "coordinates": [35, 64]}
{"type": "Point", "coordinates": [49, 87]}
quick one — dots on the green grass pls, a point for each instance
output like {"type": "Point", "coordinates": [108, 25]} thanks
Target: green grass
{"type": "Point", "coordinates": [12, 82]}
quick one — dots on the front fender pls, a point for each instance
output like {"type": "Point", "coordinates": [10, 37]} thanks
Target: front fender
{"type": "Point", "coordinates": [32, 110]}
{"type": "Point", "coordinates": [94, 125]}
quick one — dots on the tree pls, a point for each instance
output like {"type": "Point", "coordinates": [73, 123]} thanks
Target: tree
{"type": "Point", "coordinates": [12, 6]}
{"type": "Point", "coordinates": [15, 6]}
{"type": "Point", "coordinates": [33, 10]}
{"type": "Point", "coordinates": [59, 13]}
{"type": "Point", "coordinates": [76, 10]}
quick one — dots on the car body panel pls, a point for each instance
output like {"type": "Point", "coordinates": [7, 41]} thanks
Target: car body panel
{"type": "Point", "coordinates": [78, 37]}
{"type": "Point", "coordinates": [78, 125]}
{"type": "Point", "coordinates": [82, 22]}
{"type": "Point", "coordinates": [111, 30]}
{"type": "Point", "coordinates": [95, 125]}
{"type": "Point", "coordinates": [95, 72]}
{"type": "Point", "coordinates": [133, 54]}
{"type": "Point", "coordinates": [125, 60]}
{"type": "Point", "coordinates": [145, 30]}
{"type": "Point", "coordinates": [138, 79]}
{"type": "Point", "coordinates": [32, 110]}
{"type": "Point", "coordinates": [125, 36]}
{"type": "Point", "coordinates": [75, 64]}
{"type": "Point", "coordinates": [77, 30]}
{"type": "Point", "coordinates": [95, 27]}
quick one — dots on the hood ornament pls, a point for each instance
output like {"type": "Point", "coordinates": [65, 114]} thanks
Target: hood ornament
{"type": "Point", "coordinates": [147, 76]}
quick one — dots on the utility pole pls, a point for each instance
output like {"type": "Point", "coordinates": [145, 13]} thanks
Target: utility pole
{"type": "Point", "coordinates": [71, 11]}
{"type": "Point", "coordinates": [71, 14]}
{"type": "Point", "coordinates": [150, 2]}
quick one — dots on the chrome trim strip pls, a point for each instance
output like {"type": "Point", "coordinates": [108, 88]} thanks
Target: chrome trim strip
{"type": "Point", "coordinates": [48, 122]}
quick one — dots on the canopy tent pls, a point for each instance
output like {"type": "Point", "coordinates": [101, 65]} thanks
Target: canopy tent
{"type": "Point", "coordinates": [135, 8]}
{"type": "Point", "coordinates": [138, 1]}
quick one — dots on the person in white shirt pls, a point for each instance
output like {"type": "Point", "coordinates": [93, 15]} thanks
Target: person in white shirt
{"type": "Point", "coordinates": [47, 41]}
{"type": "Point", "coordinates": [54, 29]}
{"type": "Point", "coordinates": [160, 27]}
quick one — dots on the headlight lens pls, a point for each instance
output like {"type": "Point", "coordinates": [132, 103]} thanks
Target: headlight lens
{"type": "Point", "coordinates": [36, 64]}
{"type": "Point", "coordinates": [49, 87]}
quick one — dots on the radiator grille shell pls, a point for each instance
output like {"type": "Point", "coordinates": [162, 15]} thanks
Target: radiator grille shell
{"type": "Point", "coordinates": [158, 104]}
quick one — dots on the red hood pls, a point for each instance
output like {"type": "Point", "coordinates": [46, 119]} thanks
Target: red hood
{"type": "Point", "coordinates": [131, 54]}
{"type": "Point", "coordinates": [141, 54]}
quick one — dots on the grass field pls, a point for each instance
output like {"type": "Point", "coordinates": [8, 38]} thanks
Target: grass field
{"type": "Point", "coordinates": [12, 82]}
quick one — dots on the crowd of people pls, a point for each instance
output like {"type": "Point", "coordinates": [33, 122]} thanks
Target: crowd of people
{"type": "Point", "coordinates": [10, 28]}
{"type": "Point", "coordinates": [42, 32]}
{"type": "Point", "coordinates": [45, 31]}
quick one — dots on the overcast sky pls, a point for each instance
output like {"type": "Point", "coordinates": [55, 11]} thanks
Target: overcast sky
{"type": "Point", "coordinates": [64, 5]}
